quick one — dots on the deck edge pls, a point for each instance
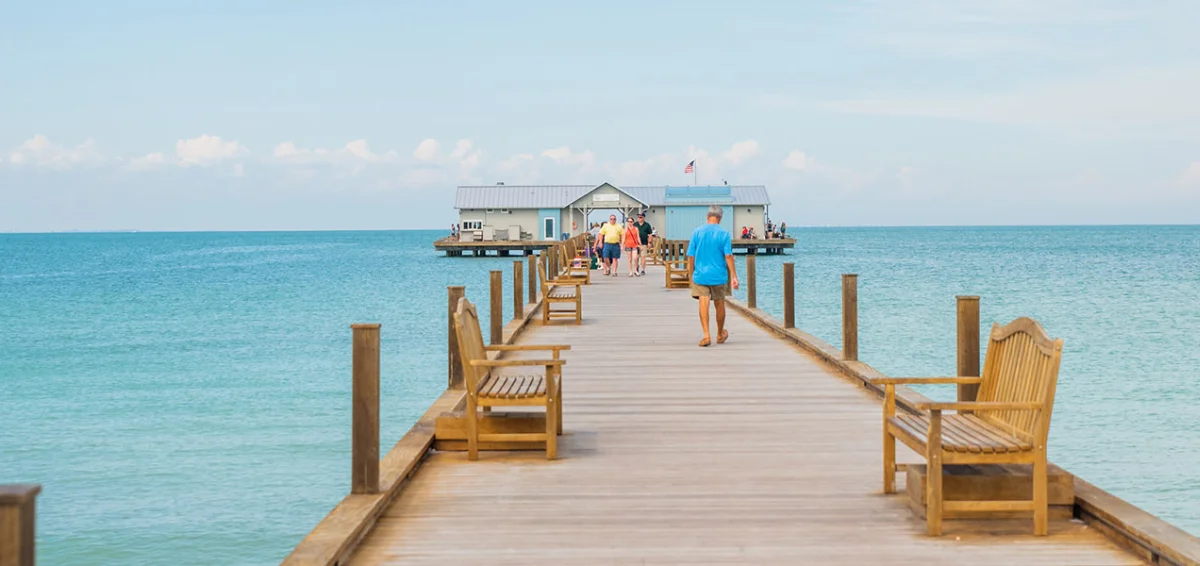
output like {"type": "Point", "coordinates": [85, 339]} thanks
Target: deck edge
{"type": "Point", "coordinates": [1129, 526]}
{"type": "Point", "coordinates": [335, 538]}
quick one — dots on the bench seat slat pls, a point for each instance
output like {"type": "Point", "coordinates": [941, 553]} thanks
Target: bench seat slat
{"type": "Point", "coordinates": [963, 433]}
{"type": "Point", "coordinates": [514, 387]}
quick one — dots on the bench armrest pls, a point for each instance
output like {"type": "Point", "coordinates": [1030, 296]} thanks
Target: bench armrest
{"type": "Point", "coordinates": [978, 406]}
{"type": "Point", "coordinates": [525, 347]}
{"type": "Point", "coordinates": [516, 363]}
{"type": "Point", "coordinates": [924, 380]}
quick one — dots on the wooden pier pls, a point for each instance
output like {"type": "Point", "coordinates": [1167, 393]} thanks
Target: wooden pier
{"type": "Point", "coordinates": [762, 450]}
{"type": "Point", "coordinates": [455, 248]}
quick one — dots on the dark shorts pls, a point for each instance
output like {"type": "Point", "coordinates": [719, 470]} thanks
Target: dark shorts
{"type": "Point", "coordinates": [611, 251]}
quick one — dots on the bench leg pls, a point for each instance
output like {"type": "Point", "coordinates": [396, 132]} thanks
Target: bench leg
{"type": "Point", "coordinates": [545, 311]}
{"type": "Point", "coordinates": [889, 461]}
{"type": "Point", "coordinates": [551, 428]}
{"type": "Point", "coordinates": [578, 309]}
{"type": "Point", "coordinates": [1040, 499]}
{"type": "Point", "coordinates": [933, 483]}
{"type": "Point", "coordinates": [558, 410]}
{"type": "Point", "coordinates": [472, 429]}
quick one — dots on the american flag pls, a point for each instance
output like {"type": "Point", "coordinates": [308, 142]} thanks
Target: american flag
{"type": "Point", "coordinates": [690, 167]}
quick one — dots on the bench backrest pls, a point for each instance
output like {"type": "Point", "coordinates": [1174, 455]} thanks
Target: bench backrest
{"type": "Point", "coordinates": [1021, 366]}
{"type": "Point", "coordinates": [470, 342]}
{"type": "Point", "coordinates": [542, 281]}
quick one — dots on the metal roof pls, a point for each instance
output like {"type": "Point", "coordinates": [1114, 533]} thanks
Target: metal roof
{"type": "Point", "coordinates": [561, 196]}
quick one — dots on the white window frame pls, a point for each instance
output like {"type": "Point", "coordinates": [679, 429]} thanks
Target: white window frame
{"type": "Point", "coordinates": [471, 225]}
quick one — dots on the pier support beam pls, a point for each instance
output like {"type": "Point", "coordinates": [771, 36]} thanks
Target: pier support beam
{"type": "Point", "coordinates": [364, 454]}
{"type": "Point", "coordinates": [751, 289]}
{"type": "Point", "coordinates": [455, 370]}
{"type": "Point", "coordinates": [533, 283]}
{"type": "Point", "coordinates": [789, 295]}
{"type": "Point", "coordinates": [850, 317]}
{"type": "Point", "coordinates": [496, 318]}
{"type": "Point", "coordinates": [18, 517]}
{"type": "Point", "coordinates": [518, 290]}
{"type": "Point", "coordinates": [968, 344]}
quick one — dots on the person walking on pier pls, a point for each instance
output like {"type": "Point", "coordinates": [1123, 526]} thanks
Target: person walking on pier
{"type": "Point", "coordinates": [645, 231]}
{"type": "Point", "coordinates": [631, 241]}
{"type": "Point", "coordinates": [710, 261]}
{"type": "Point", "coordinates": [609, 244]}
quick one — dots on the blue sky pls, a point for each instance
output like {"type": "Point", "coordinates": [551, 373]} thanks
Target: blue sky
{"type": "Point", "coordinates": [365, 115]}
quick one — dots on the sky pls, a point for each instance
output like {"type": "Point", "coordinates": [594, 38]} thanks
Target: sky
{"type": "Point", "coordinates": [268, 115]}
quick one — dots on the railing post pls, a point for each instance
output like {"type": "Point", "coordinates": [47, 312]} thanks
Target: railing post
{"type": "Point", "coordinates": [496, 319]}
{"type": "Point", "coordinates": [968, 344]}
{"type": "Point", "coordinates": [789, 295]}
{"type": "Point", "coordinates": [850, 317]}
{"type": "Point", "coordinates": [364, 454]}
{"type": "Point", "coordinates": [18, 518]}
{"type": "Point", "coordinates": [751, 290]}
{"type": "Point", "coordinates": [455, 370]}
{"type": "Point", "coordinates": [518, 290]}
{"type": "Point", "coordinates": [533, 284]}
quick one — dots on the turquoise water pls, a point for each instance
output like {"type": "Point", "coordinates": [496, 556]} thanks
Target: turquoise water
{"type": "Point", "coordinates": [184, 398]}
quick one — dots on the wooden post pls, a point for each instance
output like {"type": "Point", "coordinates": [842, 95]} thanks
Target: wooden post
{"type": "Point", "coordinates": [18, 518]}
{"type": "Point", "coordinates": [518, 290]}
{"type": "Point", "coordinates": [850, 317]}
{"type": "Point", "coordinates": [968, 344]}
{"type": "Point", "coordinates": [496, 319]}
{"type": "Point", "coordinates": [789, 295]}
{"type": "Point", "coordinates": [455, 370]}
{"type": "Point", "coordinates": [751, 290]}
{"type": "Point", "coordinates": [533, 284]}
{"type": "Point", "coordinates": [364, 455]}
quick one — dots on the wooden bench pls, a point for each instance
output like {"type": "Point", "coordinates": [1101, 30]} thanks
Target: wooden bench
{"type": "Point", "coordinates": [488, 385]}
{"type": "Point", "coordinates": [675, 265]}
{"type": "Point", "coordinates": [574, 266]}
{"type": "Point", "coordinates": [1008, 423]}
{"type": "Point", "coordinates": [560, 292]}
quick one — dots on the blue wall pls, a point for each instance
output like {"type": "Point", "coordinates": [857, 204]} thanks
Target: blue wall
{"type": "Point", "coordinates": [682, 220]}
{"type": "Point", "coordinates": [543, 214]}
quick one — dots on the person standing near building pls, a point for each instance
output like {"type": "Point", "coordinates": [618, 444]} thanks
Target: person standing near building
{"type": "Point", "coordinates": [609, 244]}
{"type": "Point", "coordinates": [645, 232]}
{"type": "Point", "coordinates": [710, 262]}
{"type": "Point", "coordinates": [631, 241]}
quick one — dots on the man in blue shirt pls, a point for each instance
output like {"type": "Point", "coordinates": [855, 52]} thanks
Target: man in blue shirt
{"type": "Point", "coordinates": [710, 261]}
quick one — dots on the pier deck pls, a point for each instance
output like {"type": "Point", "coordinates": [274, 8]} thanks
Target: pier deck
{"type": "Point", "coordinates": [454, 248]}
{"type": "Point", "coordinates": [749, 452]}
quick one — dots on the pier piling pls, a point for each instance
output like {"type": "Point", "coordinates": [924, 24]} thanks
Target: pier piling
{"type": "Point", "coordinates": [518, 291]}
{"type": "Point", "coordinates": [364, 476]}
{"type": "Point", "coordinates": [533, 286]}
{"type": "Point", "coordinates": [850, 317]}
{"type": "Point", "coordinates": [496, 318]}
{"type": "Point", "coordinates": [18, 518]}
{"type": "Point", "coordinates": [968, 344]}
{"type": "Point", "coordinates": [789, 295]}
{"type": "Point", "coordinates": [751, 290]}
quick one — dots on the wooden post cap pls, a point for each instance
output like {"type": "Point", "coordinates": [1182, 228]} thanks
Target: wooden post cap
{"type": "Point", "coordinates": [967, 297]}
{"type": "Point", "coordinates": [365, 326]}
{"type": "Point", "coordinates": [18, 493]}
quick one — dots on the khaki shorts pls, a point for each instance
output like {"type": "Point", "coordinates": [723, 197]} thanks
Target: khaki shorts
{"type": "Point", "coordinates": [714, 292]}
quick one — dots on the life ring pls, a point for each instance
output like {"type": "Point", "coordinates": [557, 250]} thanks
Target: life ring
{"type": "Point", "coordinates": [572, 225]}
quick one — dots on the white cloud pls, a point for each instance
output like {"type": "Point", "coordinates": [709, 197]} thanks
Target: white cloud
{"type": "Point", "coordinates": [466, 155]}
{"type": "Point", "coordinates": [206, 150]}
{"type": "Point", "coordinates": [147, 162]}
{"type": "Point", "coordinates": [39, 151]}
{"type": "Point", "coordinates": [354, 155]}
{"type": "Point", "coordinates": [799, 161]}
{"type": "Point", "coordinates": [740, 152]}
{"type": "Point", "coordinates": [426, 150]}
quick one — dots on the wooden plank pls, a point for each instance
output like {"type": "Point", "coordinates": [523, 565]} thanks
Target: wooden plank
{"type": "Point", "coordinates": [364, 459]}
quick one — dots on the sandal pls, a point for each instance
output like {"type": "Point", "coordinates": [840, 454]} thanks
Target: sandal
{"type": "Point", "coordinates": [705, 342]}
{"type": "Point", "coordinates": [722, 337]}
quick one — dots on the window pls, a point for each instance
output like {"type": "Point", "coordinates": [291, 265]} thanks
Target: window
{"type": "Point", "coordinates": [504, 211]}
{"type": "Point", "coordinates": [472, 224]}
{"type": "Point", "coordinates": [491, 211]}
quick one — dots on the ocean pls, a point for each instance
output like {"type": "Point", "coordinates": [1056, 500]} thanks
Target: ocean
{"type": "Point", "coordinates": [184, 397]}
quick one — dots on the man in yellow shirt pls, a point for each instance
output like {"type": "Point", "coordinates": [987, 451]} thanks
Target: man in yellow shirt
{"type": "Point", "coordinates": [609, 244]}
